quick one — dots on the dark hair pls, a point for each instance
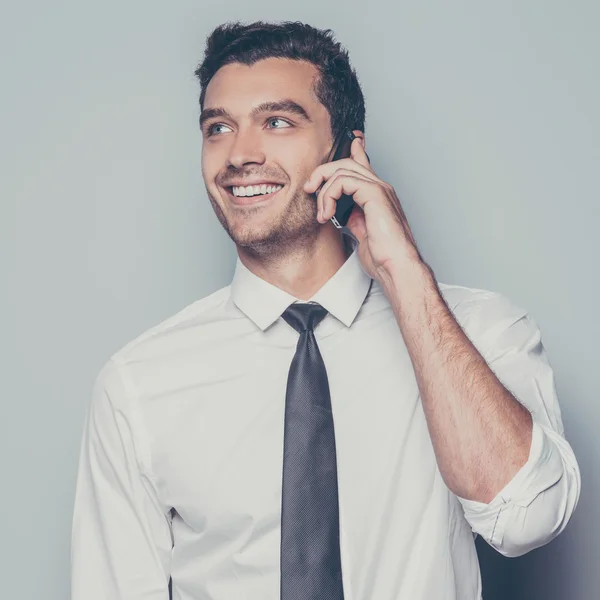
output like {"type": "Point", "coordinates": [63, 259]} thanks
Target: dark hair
{"type": "Point", "coordinates": [336, 87]}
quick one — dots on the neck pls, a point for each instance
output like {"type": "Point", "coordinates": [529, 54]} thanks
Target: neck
{"type": "Point", "coordinates": [303, 271]}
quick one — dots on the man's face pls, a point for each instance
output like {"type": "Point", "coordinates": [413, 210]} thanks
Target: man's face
{"type": "Point", "coordinates": [276, 146]}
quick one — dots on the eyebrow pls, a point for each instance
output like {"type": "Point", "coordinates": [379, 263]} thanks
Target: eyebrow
{"type": "Point", "coordinates": [287, 105]}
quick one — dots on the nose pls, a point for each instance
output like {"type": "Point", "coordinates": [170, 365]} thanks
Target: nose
{"type": "Point", "coordinates": [245, 149]}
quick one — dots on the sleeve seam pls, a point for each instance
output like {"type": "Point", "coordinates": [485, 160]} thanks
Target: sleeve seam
{"type": "Point", "coordinates": [140, 442]}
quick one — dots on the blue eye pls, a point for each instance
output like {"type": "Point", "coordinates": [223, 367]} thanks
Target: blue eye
{"type": "Point", "coordinates": [210, 130]}
{"type": "Point", "coordinates": [278, 119]}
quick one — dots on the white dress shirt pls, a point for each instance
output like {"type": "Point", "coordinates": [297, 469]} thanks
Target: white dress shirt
{"type": "Point", "coordinates": [182, 452]}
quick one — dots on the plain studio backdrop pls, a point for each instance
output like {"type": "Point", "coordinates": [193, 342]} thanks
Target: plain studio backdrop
{"type": "Point", "coordinates": [483, 116]}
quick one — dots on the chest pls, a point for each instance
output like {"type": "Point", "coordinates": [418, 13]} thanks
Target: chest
{"type": "Point", "coordinates": [216, 436]}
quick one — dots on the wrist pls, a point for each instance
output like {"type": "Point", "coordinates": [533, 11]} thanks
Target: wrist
{"type": "Point", "coordinates": [407, 276]}
{"type": "Point", "coordinates": [412, 290]}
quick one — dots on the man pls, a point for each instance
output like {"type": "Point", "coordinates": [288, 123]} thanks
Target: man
{"type": "Point", "coordinates": [335, 423]}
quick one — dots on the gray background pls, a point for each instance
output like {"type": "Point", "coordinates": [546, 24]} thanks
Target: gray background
{"type": "Point", "coordinates": [484, 116]}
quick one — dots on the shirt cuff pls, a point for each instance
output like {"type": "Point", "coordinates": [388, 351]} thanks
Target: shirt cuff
{"type": "Point", "coordinates": [543, 468]}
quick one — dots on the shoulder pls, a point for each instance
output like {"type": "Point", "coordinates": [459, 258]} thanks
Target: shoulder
{"type": "Point", "coordinates": [163, 337]}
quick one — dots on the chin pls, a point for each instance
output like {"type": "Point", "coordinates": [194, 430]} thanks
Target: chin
{"type": "Point", "coordinates": [259, 237]}
{"type": "Point", "coordinates": [270, 225]}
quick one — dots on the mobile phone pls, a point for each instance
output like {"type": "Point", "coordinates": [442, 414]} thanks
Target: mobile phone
{"type": "Point", "coordinates": [345, 203]}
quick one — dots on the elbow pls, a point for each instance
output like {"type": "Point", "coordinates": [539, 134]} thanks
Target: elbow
{"type": "Point", "coordinates": [518, 545]}
{"type": "Point", "coordinates": [515, 547]}
{"type": "Point", "coordinates": [544, 519]}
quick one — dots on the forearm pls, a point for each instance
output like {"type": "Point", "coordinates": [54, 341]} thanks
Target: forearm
{"type": "Point", "coordinates": [481, 434]}
{"type": "Point", "coordinates": [537, 504]}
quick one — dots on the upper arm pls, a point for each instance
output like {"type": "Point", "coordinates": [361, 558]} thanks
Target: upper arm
{"type": "Point", "coordinates": [121, 539]}
{"type": "Point", "coordinates": [510, 341]}
{"type": "Point", "coordinates": [537, 503]}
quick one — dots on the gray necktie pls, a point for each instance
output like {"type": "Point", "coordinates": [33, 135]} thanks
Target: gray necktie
{"type": "Point", "coordinates": [310, 549]}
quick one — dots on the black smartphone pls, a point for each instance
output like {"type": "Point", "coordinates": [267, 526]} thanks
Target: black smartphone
{"type": "Point", "coordinates": [345, 204]}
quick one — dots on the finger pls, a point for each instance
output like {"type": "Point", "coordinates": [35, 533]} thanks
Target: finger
{"type": "Point", "coordinates": [337, 173]}
{"type": "Point", "coordinates": [357, 153]}
{"type": "Point", "coordinates": [326, 170]}
{"type": "Point", "coordinates": [349, 184]}
{"type": "Point", "coordinates": [329, 206]}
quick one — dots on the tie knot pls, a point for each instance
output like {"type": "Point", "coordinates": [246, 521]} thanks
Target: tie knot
{"type": "Point", "coordinates": [304, 317]}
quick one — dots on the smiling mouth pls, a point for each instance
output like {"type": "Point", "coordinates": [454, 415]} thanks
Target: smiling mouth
{"type": "Point", "coordinates": [249, 200]}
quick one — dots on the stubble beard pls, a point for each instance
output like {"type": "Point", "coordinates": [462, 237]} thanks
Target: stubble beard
{"type": "Point", "coordinates": [293, 230]}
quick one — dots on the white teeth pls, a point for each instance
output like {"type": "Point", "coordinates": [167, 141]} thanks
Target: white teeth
{"type": "Point", "coordinates": [252, 190]}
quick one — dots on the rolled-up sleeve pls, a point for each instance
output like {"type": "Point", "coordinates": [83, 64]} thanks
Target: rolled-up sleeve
{"type": "Point", "coordinates": [121, 537]}
{"type": "Point", "coordinates": [536, 505]}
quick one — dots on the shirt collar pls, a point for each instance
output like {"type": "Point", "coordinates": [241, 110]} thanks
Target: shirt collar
{"type": "Point", "coordinates": [342, 295]}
